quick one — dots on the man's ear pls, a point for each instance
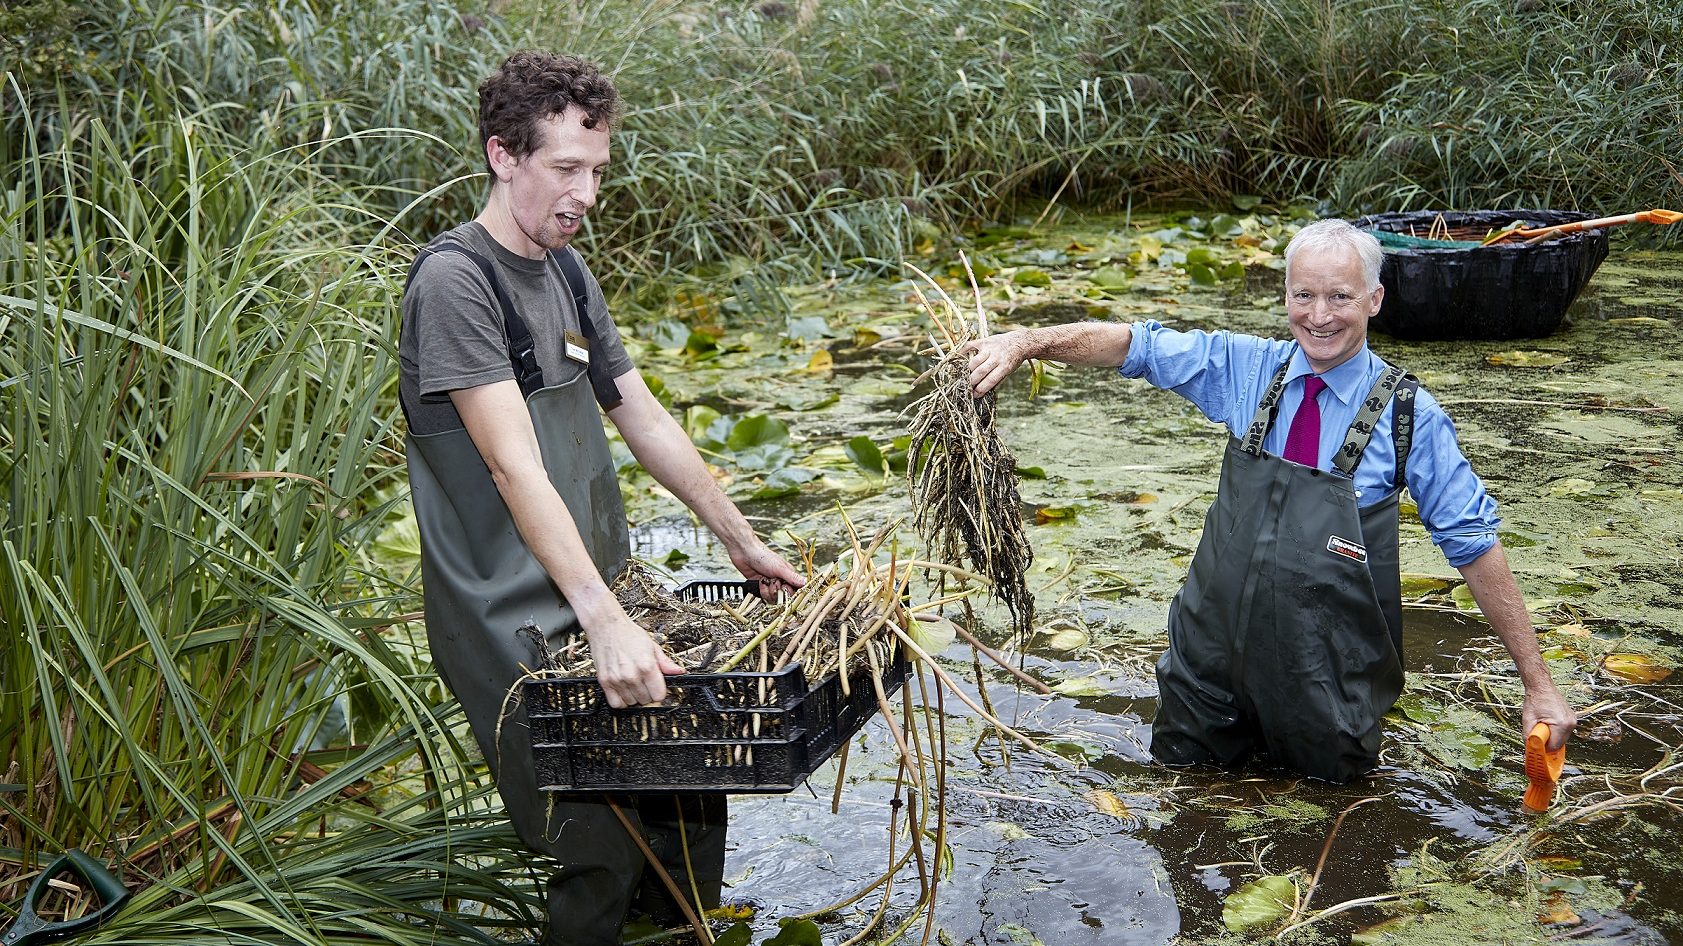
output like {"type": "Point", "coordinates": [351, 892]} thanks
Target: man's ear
{"type": "Point", "coordinates": [502, 163]}
{"type": "Point", "coordinates": [1378, 299]}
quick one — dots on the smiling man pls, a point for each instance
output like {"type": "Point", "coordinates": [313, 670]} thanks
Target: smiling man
{"type": "Point", "coordinates": [507, 352]}
{"type": "Point", "coordinates": [1287, 636]}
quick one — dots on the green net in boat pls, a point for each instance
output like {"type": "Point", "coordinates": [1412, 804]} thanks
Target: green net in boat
{"type": "Point", "coordinates": [1403, 241]}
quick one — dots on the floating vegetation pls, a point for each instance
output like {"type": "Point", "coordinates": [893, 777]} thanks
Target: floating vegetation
{"type": "Point", "coordinates": [963, 479]}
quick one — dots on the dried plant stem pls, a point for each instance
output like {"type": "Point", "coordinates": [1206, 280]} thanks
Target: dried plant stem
{"type": "Point", "coordinates": [701, 931]}
{"type": "Point", "coordinates": [907, 642]}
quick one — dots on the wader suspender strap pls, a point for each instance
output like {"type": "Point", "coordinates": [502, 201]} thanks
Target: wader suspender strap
{"type": "Point", "coordinates": [607, 392]}
{"type": "Point", "coordinates": [1265, 413]}
{"type": "Point", "coordinates": [1394, 387]}
{"type": "Point", "coordinates": [1402, 424]}
{"type": "Point", "coordinates": [521, 355]}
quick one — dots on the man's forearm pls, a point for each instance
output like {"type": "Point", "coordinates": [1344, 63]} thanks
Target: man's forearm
{"type": "Point", "coordinates": [1089, 344]}
{"type": "Point", "coordinates": [1492, 584]}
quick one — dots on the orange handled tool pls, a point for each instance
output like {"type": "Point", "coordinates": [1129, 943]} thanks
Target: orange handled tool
{"type": "Point", "coordinates": [1542, 767]}
{"type": "Point", "coordinates": [1661, 217]}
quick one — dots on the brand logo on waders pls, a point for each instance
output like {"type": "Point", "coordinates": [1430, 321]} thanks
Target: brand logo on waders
{"type": "Point", "coordinates": [1347, 548]}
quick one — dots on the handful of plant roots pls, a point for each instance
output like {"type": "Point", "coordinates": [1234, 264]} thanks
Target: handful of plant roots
{"type": "Point", "coordinates": [963, 479]}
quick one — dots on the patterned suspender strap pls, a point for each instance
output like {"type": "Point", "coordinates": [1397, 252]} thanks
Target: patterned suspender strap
{"type": "Point", "coordinates": [607, 392]}
{"type": "Point", "coordinates": [1361, 430]}
{"type": "Point", "coordinates": [1265, 412]}
{"type": "Point", "coordinates": [1402, 424]}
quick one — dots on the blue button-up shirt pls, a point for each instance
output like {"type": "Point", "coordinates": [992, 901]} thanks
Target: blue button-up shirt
{"type": "Point", "coordinates": [1225, 375]}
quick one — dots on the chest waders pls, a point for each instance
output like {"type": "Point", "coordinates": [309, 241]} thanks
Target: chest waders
{"type": "Point", "coordinates": [482, 584]}
{"type": "Point", "coordinates": [1288, 633]}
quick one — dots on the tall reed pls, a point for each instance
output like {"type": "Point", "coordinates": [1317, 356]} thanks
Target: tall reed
{"type": "Point", "coordinates": [195, 349]}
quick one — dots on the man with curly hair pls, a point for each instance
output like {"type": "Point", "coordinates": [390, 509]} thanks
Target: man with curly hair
{"type": "Point", "coordinates": [507, 351]}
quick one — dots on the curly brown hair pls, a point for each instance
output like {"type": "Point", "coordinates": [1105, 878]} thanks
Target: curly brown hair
{"type": "Point", "coordinates": [532, 86]}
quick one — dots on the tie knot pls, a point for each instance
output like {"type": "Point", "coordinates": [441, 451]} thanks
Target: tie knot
{"type": "Point", "coordinates": [1313, 386]}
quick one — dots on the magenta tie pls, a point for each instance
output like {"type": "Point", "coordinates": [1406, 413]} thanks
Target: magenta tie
{"type": "Point", "coordinates": [1303, 441]}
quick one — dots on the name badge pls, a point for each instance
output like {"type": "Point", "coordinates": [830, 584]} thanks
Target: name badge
{"type": "Point", "coordinates": [578, 347]}
{"type": "Point", "coordinates": [1346, 548]}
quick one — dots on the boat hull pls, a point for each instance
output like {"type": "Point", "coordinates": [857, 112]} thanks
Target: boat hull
{"type": "Point", "coordinates": [1485, 292]}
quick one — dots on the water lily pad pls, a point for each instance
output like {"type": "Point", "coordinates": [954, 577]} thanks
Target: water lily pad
{"type": "Point", "coordinates": [1259, 903]}
{"type": "Point", "coordinates": [670, 333]}
{"type": "Point", "coordinates": [1068, 639]}
{"type": "Point", "coordinates": [792, 932]}
{"type": "Point", "coordinates": [783, 482]}
{"type": "Point", "coordinates": [1225, 225]}
{"type": "Point", "coordinates": [1246, 201]}
{"type": "Point", "coordinates": [1111, 278]}
{"type": "Point", "coordinates": [933, 633]}
{"type": "Point", "coordinates": [1557, 911]}
{"type": "Point", "coordinates": [880, 387]}
{"type": "Point", "coordinates": [1046, 514]}
{"type": "Point", "coordinates": [1008, 831]}
{"type": "Point", "coordinates": [1031, 277]}
{"type": "Point", "coordinates": [808, 328]}
{"type": "Point", "coordinates": [810, 401]}
{"type": "Point", "coordinates": [1081, 686]}
{"type": "Point", "coordinates": [1031, 472]}
{"type": "Point", "coordinates": [698, 423]}
{"type": "Point", "coordinates": [1108, 803]}
{"type": "Point", "coordinates": [1572, 486]}
{"type": "Point", "coordinates": [866, 454]}
{"type": "Point", "coordinates": [1201, 274]}
{"type": "Point", "coordinates": [821, 361]}
{"type": "Point", "coordinates": [1528, 359]}
{"type": "Point", "coordinates": [400, 540]}
{"type": "Point", "coordinates": [1419, 586]}
{"type": "Point", "coordinates": [1075, 750]}
{"type": "Point", "coordinates": [1635, 668]}
{"type": "Point", "coordinates": [756, 430]}
{"type": "Point", "coordinates": [740, 934]}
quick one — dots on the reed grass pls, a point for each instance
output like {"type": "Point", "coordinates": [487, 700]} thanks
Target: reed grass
{"type": "Point", "coordinates": [194, 357]}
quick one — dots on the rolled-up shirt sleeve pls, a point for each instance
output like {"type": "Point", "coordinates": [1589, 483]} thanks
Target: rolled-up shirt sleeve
{"type": "Point", "coordinates": [1454, 507]}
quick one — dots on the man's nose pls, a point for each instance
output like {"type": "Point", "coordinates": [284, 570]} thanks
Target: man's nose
{"type": "Point", "coordinates": [584, 191]}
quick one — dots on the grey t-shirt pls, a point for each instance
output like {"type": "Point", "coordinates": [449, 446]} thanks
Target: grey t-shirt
{"type": "Point", "coordinates": [453, 337]}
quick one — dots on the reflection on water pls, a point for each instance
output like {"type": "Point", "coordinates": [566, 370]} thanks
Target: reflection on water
{"type": "Point", "coordinates": [1581, 456]}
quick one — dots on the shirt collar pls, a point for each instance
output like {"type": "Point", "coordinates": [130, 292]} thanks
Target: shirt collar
{"type": "Point", "coordinates": [1347, 382]}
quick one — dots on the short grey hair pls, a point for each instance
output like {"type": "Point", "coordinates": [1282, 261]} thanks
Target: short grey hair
{"type": "Point", "coordinates": [1333, 233]}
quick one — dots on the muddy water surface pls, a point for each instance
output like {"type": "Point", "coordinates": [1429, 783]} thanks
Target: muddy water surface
{"type": "Point", "coordinates": [1576, 437]}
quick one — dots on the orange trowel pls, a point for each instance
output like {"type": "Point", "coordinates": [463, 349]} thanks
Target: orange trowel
{"type": "Point", "coordinates": [1542, 767]}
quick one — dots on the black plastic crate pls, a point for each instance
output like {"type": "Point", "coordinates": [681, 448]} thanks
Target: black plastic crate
{"type": "Point", "coordinates": [739, 732]}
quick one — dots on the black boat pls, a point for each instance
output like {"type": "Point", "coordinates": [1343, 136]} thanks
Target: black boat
{"type": "Point", "coordinates": [1439, 284]}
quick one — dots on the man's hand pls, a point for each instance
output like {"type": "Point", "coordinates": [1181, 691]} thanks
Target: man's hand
{"type": "Point", "coordinates": [630, 666]}
{"type": "Point", "coordinates": [775, 575]}
{"type": "Point", "coordinates": [995, 357]}
{"type": "Point", "coordinates": [1544, 704]}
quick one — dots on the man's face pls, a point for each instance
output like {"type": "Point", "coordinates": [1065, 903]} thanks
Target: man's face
{"type": "Point", "coordinates": [549, 190]}
{"type": "Point", "coordinates": [1328, 305]}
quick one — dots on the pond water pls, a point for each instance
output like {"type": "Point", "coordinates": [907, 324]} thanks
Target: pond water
{"type": "Point", "coordinates": [1575, 436]}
